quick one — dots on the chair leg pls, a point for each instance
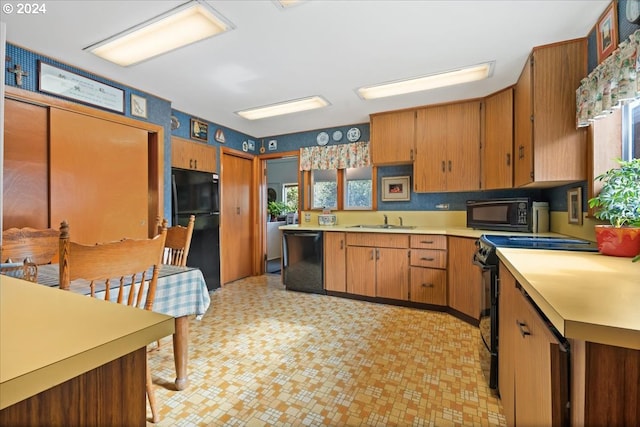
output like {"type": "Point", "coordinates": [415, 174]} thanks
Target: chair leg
{"type": "Point", "coordinates": [151, 396]}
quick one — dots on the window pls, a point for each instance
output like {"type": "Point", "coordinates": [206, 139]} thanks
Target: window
{"type": "Point", "coordinates": [324, 189]}
{"type": "Point", "coordinates": [358, 187]}
{"type": "Point", "coordinates": [631, 130]}
{"type": "Point", "coordinates": [290, 195]}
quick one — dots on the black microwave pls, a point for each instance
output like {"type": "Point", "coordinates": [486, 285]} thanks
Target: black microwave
{"type": "Point", "coordinates": [510, 214]}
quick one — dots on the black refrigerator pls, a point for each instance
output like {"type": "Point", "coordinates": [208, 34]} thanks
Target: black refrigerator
{"type": "Point", "coordinates": [197, 193]}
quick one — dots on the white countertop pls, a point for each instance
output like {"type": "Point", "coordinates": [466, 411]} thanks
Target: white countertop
{"type": "Point", "coordinates": [48, 336]}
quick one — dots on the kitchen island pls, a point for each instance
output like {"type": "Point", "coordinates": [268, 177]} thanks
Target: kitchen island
{"type": "Point", "coordinates": [69, 359]}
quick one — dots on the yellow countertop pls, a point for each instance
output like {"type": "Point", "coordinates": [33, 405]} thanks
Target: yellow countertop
{"type": "Point", "coordinates": [587, 296]}
{"type": "Point", "coordinates": [48, 336]}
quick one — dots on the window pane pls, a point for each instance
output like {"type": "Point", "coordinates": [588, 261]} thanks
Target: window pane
{"type": "Point", "coordinates": [631, 130]}
{"type": "Point", "coordinates": [358, 188]}
{"type": "Point", "coordinates": [324, 189]}
{"type": "Point", "coordinates": [290, 196]}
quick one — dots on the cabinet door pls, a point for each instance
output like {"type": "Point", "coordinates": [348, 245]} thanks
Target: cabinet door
{"type": "Point", "coordinates": [463, 147]}
{"type": "Point", "coordinates": [335, 276]}
{"type": "Point", "coordinates": [465, 279]}
{"type": "Point", "coordinates": [429, 170]}
{"type": "Point", "coordinates": [193, 155]}
{"type": "Point", "coordinates": [507, 335]}
{"type": "Point", "coordinates": [523, 127]}
{"type": "Point", "coordinates": [392, 137]}
{"type": "Point", "coordinates": [392, 273]}
{"type": "Point", "coordinates": [361, 270]}
{"type": "Point", "coordinates": [428, 285]}
{"type": "Point", "coordinates": [497, 151]}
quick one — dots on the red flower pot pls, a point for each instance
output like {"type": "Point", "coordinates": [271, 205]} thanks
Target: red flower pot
{"type": "Point", "coordinates": [618, 241]}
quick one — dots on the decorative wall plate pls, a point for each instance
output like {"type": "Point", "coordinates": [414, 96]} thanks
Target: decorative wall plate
{"type": "Point", "coordinates": [337, 135]}
{"type": "Point", "coordinates": [322, 138]}
{"type": "Point", "coordinates": [353, 134]}
{"type": "Point", "coordinates": [175, 123]}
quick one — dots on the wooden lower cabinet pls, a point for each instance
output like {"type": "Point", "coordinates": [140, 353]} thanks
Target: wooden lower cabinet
{"type": "Point", "coordinates": [335, 262]}
{"type": "Point", "coordinates": [465, 279]}
{"type": "Point", "coordinates": [428, 285]}
{"type": "Point", "coordinates": [378, 265]}
{"type": "Point", "coordinates": [533, 364]}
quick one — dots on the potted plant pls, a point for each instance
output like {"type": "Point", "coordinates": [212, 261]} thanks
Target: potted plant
{"type": "Point", "coordinates": [275, 209]}
{"type": "Point", "coordinates": [619, 203]}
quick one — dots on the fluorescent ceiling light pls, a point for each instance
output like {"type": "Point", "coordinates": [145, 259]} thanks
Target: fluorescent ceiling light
{"type": "Point", "coordinates": [454, 77]}
{"type": "Point", "coordinates": [186, 24]}
{"type": "Point", "coordinates": [284, 4]}
{"type": "Point", "coordinates": [288, 107]}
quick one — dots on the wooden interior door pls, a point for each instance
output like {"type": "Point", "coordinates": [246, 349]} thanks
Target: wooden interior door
{"type": "Point", "coordinates": [236, 244]}
{"type": "Point", "coordinates": [99, 177]}
{"type": "Point", "coordinates": [25, 198]}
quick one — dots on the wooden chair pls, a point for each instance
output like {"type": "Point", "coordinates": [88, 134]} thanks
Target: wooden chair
{"type": "Point", "coordinates": [28, 247]}
{"type": "Point", "coordinates": [129, 267]}
{"type": "Point", "coordinates": [178, 242]}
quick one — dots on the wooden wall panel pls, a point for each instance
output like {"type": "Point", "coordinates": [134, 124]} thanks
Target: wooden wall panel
{"type": "Point", "coordinates": [99, 177]}
{"type": "Point", "coordinates": [25, 201]}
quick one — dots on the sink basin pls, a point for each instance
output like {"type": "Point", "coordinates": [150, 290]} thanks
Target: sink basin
{"type": "Point", "coordinates": [384, 226]}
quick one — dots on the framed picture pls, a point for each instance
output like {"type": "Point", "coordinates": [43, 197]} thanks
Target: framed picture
{"type": "Point", "coordinates": [219, 136]}
{"type": "Point", "coordinates": [395, 189]}
{"type": "Point", "coordinates": [574, 205]}
{"type": "Point", "coordinates": [607, 32]}
{"type": "Point", "coordinates": [199, 130]}
{"type": "Point", "coordinates": [138, 106]}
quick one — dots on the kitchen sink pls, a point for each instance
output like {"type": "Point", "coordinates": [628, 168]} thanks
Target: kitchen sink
{"type": "Point", "coordinates": [384, 226]}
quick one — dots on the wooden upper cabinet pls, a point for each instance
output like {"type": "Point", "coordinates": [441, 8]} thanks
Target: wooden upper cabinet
{"type": "Point", "coordinates": [548, 148]}
{"type": "Point", "coordinates": [193, 155]}
{"type": "Point", "coordinates": [497, 150]}
{"type": "Point", "coordinates": [392, 137]}
{"type": "Point", "coordinates": [448, 148]}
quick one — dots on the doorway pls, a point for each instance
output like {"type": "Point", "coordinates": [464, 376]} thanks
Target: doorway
{"type": "Point", "coordinates": [281, 195]}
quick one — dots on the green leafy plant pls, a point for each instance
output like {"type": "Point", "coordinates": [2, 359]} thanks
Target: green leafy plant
{"type": "Point", "coordinates": [619, 199]}
{"type": "Point", "coordinates": [276, 208]}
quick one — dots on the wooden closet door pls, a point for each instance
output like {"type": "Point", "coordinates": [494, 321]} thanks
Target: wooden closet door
{"type": "Point", "coordinates": [25, 198]}
{"type": "Point", "coordinates": [236, 243]}
{"type": "Point", "coordinates": [99, 178]}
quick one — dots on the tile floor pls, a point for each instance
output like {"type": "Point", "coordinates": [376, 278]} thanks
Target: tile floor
{"type": "Point", "coordinates": [265, 356]}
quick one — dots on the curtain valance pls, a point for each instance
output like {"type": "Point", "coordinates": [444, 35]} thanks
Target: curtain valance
{"type": "Point", "coordinates": [343, 156]}
{"type": "Point", "coordinates": [614, 81]}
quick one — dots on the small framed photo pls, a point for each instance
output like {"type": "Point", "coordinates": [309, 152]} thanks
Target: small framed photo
{"type": "Point", "coordinates": [138, 106]}
{"type": "Point", "coordinates": [574, 205]}
{"type": "Point", "coordinates": [199, 130]}
{"type": "Point", "coordinates": [607, 32]}
{"type": "Point", "coordinates": [219, 136]}
{"type": "Point", "coordinates": [395, 189]}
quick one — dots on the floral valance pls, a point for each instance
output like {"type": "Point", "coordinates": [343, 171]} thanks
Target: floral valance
{"type": "Point", "coordinates": [614, 81]}
{"type": "Point", "coordinates": [343, 156]}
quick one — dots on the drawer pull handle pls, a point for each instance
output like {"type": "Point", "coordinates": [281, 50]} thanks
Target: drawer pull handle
{"type": "Point", "coordinates": [521, 325]}
{"type": "Point", "coordinates": [427, 259]}
{"type": "Point", "coordinates": [428, 242]}
{"type": "Point", "coordinates": [427, 285]}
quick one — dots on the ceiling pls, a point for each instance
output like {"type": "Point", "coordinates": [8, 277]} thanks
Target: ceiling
{"type": "Point", "coordinates": [319, 47]}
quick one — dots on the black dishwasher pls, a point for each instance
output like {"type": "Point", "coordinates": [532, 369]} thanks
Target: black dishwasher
{"type": "Point", "coordinates": [302, 261]}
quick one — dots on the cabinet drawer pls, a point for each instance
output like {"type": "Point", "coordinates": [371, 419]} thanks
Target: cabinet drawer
{"type": "Point", "coordinates": [429, 258]}
{"type": "Point", "coordinates": [378, 240]}
{"type": "Point", "coordinates": [429, 285]}
{"type": "Point", "coordinates": [428, 241]}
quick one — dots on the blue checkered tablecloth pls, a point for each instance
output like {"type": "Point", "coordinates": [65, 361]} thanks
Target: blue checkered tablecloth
{"type": "Point", "coordinates": [181, 291]}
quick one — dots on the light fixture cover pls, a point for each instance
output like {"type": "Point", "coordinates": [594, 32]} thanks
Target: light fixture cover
{"type": "Point", "coordinates": [282, 108]}
{"type": "Point", "coordinates": [432, 81]}
{"type": "Point", "coordinates": [181, 26]}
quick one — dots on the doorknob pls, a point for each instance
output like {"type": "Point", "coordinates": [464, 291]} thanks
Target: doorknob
{"type": "Point", "coordinates": [238, 210]}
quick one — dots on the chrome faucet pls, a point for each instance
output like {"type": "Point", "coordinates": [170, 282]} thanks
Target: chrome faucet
{"type": "Point", "coordinates": [385, 219]}
{"type": "Point", "coordinates": [400, 218]}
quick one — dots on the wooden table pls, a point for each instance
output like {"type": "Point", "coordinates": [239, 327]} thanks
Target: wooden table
{"type": "Point", "coordinates": [181, 292]}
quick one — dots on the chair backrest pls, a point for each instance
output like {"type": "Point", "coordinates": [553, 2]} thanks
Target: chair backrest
{"type": "Point", "coordinates": [178, 242]}
{"type": "Point", "coordinates": [129, 266]}
{"type": "Point", "coordinates": [40, 246]}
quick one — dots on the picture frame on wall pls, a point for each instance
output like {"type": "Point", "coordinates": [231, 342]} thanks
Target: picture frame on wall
{"type": "Point", "coordinates": [607, 32]}
{"type": "Point", "coordinates": [199, 130]}
{"type": "Point", "coordinates": [396, 189]}
{"type": "Point", "coordinates": [138, 106]}
{"type": "Point", "coordinates": [574, 205]}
